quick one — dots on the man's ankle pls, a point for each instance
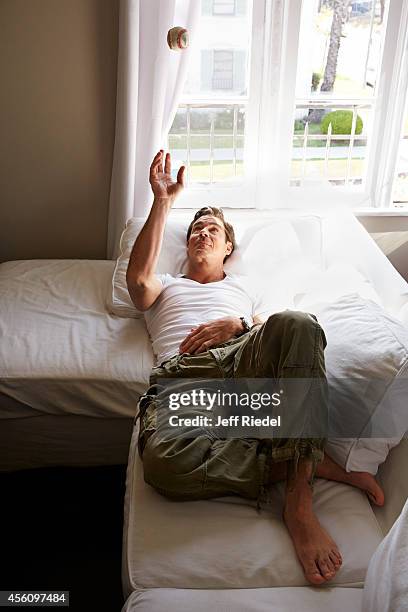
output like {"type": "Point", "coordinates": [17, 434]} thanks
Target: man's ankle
{"type": "Point", "coordinates": [298, 496]}
{"type": "Point", "coordinates": [299, 476]}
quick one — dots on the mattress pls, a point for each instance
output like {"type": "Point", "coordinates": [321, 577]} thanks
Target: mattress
{"type": "Point", "coordinates": [61, 353]}
{"type": "Point", "coordinates": [226, 544]}
{"type": "Point", "coordinates": [306, 599]}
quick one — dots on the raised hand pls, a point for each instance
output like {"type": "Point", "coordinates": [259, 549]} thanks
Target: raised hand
{"type": "Point", "coordinates": [160, 179]}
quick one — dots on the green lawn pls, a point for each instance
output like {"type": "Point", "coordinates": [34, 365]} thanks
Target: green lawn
{"type": "Point", "coordinates": [223, 170]}
{"type": "Point", "coordinates": [225, 141]}
{"type": "Point", "coordinates": [314, 128]}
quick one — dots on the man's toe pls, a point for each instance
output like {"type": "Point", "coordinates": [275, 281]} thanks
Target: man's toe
{"type": "Point", "coordinates": [326, 568]}
{"type": "Point", "coordinates": [335, 552]}
{"type": "Point", "coordinates": [313, 574]}
{"type": "Point", "coordinates": [335, 560]}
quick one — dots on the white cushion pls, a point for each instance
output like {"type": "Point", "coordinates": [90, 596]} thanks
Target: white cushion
{"type": "Point", "coordinates": [367, 367]}
{"type": "Point", "coordinates": [171, 260]}
{"type": "Point", "coordinates": [304, 599]}
{"type": "Point", "coordinates": [264, 247]}
{"type": "Point", "coordinates": [225, 543]}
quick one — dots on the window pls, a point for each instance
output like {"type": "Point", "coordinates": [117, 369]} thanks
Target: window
{"type": "Point", "coordinates": [223, 7]}
{"type": "Point", "coordinates": [338, 65]}
{"type": "Point", "coordinates": [260, 125]}
{"type": "Point", "coordinates": [209, 132]}
{"type": "Point", "coordinates": [223, 69]}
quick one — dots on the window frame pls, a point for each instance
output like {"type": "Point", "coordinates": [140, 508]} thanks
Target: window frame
{"type": "Point", "coordinates": [271, 104]}
{"type": "Point", "coordinates": [391, 113]}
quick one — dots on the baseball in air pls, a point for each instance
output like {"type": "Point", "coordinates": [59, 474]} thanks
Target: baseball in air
{"type": "Point", "coordinates": [177, 38]}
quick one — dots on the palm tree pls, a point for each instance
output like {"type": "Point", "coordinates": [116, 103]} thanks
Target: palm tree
{"type": "Point", "coordinates": [339, 18]}
{"type": "Point", "coordinates": [340, 12]}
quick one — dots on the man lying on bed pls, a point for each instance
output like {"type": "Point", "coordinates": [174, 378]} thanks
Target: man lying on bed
{"type": "Point", "coordinates": [183, 467]}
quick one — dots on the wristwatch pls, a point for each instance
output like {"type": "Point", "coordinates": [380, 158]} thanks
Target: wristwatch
{"type": "Point", "coordinates": [246, 325]}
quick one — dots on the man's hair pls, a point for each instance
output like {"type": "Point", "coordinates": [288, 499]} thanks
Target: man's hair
{"type": "Point", "coordinates": [215, 212]}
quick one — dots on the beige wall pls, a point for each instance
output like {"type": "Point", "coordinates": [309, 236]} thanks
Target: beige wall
{"type": "Point", "coordinates": [391, 234]}
{"type": "Point", "coordinates": [57, 114]}
{"type": "Point", "coordinates": [399, 259]}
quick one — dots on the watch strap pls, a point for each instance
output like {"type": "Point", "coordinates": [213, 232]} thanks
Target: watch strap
{"type": "Point", "coordinates": [245, 325]}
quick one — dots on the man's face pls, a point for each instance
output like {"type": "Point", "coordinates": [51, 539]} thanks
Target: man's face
{"type": "Point", "coordinates": [207, 240]}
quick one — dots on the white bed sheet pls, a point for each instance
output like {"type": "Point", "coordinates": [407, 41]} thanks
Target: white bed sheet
{"type": "Point", "coordinates": [60, 350]}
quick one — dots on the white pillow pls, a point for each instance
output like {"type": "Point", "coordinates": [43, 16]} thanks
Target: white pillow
{"type": "Point", "coordinates": [328, 286]}
{"type": "Point", "coordinates": [367, 368]}
{"type": "Point", "coordinates": [264, 247]}
{"type": "Point", "coordinates": [171, 260]}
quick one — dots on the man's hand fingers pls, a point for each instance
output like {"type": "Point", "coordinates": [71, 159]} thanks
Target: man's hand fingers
{"type": "Point", "coordinates": [156, 158]}
{"type": "Point", "coordinates": [180, 175]}
{"type": "Point", "coordinates": [153, 166]}
{"type": "Point", "coordinates": [192, 342]}
{"type": "Point", "coordinates": [167, 164]}
{"type": "Point", "coordinates": [185, 343]}
{"type": "Point", "coordinates": [191, 337]}
{"type": "Point", "coordinates": [155, 163]}
{"type": "Point", "coordinates": [205, 346]}
{"type": "Point", "coordinates": [196, 345]}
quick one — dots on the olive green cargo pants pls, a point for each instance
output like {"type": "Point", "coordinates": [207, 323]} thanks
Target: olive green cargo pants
{"type": "Point", "coordinates": [289, 344]}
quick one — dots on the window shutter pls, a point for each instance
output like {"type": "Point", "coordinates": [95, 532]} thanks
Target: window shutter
{"type": "Point", "coordinates": [239, 70]}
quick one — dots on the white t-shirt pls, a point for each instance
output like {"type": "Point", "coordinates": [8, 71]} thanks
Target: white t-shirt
{"type": "Point", "coordinates": [185, 303]}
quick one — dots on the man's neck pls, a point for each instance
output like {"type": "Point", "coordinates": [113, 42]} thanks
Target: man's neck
{"type": "Point", "coordinates": [204, 274]}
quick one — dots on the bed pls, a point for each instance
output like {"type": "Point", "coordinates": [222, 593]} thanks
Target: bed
{"type": "Point", "coordinates": [220, 554]}
{"type": "Point", "coordinates": [71, 373]}
{"type": "Point", "coordinates": [74, 358]}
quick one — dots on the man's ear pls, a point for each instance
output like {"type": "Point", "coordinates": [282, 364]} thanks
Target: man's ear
{"type": "Point", "coordinates": [229, 248]}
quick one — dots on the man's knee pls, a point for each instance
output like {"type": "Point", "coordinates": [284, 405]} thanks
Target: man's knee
{"type": "Point", "coordinates": [159, 461]}
{"type": "Point", "coordinates": [292, 319]}
{"type": "Point", "coordinates": [294, 323]}
{"type": "Point", "coordinates": [174, 467]}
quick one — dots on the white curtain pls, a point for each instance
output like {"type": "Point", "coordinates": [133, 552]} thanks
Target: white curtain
{"type": "Point", "coordinates": [150, 81]}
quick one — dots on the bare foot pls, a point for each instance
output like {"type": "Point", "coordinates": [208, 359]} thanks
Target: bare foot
{"type": "Point", "coordinates": [315, 549]}
{"type": "Point", "coordinates": [367, 482]}
{"type": "Point", "coordinates": [330, 470]}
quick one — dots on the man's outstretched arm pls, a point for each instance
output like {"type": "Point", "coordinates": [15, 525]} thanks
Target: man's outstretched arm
{"type": "Point", "coordinates": [143, 285]}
